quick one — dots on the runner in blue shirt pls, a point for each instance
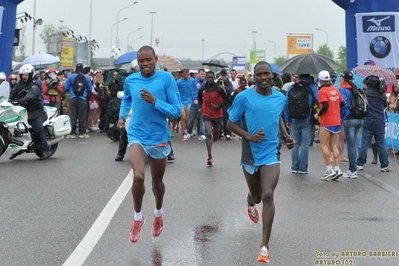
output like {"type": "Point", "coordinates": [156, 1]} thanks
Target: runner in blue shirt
{"type": "Point", "coordinates": [153, 96]}
{"type": "Point", "coordinates": [256, 116]}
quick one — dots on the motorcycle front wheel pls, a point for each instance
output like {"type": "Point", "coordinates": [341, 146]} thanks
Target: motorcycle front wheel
{"type": "Point", "coordinates": [52, 149]}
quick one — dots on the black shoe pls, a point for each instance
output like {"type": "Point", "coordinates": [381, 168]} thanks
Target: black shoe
{"type": "Point", "coordinates": [171, 157]}
{"type": "Point", "coordinates": [119, 158]}
{"type": "Point", "coordinates": [317, 141]}
{"type": "Point", "coordinates": [45, 155]}
{"type": "Point", "coordinates": [15, 155]}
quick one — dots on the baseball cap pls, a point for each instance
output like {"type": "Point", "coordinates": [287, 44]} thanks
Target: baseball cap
{"type": "Point", "coordinates": [79, 66]}
{"type": "Point", "coordinates": [223, 72]}
{"type": "Point", "coordinates": [324, 75]}
{"type": "Point", "coordinates": [347, 75]}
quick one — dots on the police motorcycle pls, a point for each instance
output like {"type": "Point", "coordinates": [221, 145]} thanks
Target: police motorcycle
{"type": "Point", "coordinates": [17, 135]}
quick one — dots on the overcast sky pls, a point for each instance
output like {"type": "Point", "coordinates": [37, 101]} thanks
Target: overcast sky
{"type": "Point", "coordinates": [225, 25]}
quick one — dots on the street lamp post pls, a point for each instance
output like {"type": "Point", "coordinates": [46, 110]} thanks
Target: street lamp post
{"type": "Point", "coordinates": [136, 40]}
{"type": "Point", "coordinates": [254, 43]}
{"type": "Point", "coordinates": [203, 42]}
{"type": "Point", "coordinates": [129, 36]}
{"type": "Point", "coordinates": [91, 13]}
{"type": "Point", "coordinates": [117, 19]}
{"type": "Point", "coordinates": [35, 22]}
{"type": "Point", "coordinates": [112, 27]}
{"type": "Point", "coordinates": [274, 48]}
{"type": "Point", "coordinates": [152, 23]}
{"type": "Point", "coordinates": [325, 33]}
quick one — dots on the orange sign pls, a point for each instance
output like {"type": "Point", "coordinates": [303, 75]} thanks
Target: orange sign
{"type": "Point", "coordinates": [299, 44]}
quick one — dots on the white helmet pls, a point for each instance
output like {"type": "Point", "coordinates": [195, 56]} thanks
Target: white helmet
{"type": "Point", "coordinates": [133, 67]}
{"type": "Point", "coordinates": [3, 76]}
{"type": "Point", "coordinates": [26, 69]}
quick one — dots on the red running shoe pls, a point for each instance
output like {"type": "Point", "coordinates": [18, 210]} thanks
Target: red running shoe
{"type": "Point", "coordinates": [135, 232]}
{"type": "Point", "coordinates": [157, 226]}
{"type": "Point", "coordinates": [210, 162]}
{"type": "Point", "coordinates": [263, 255]}
{"type": "Point", "coordinates": [253, 212]}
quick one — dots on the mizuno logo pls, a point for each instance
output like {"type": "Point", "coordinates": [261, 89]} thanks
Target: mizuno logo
{"type": "Point", "coordinates": [377, 22]}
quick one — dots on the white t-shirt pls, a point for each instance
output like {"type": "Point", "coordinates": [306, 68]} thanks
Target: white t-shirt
{"type": "Point", "coordinates": [235, 83]}
{"type": "Point", "coordinates": [5, 89]}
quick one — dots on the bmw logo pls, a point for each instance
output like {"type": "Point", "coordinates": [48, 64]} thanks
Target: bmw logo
{"type": "Point", "coordinates": [380, 47]}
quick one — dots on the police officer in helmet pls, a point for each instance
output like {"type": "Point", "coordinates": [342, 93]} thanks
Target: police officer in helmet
{"type": "Point", "coordinates": [29, 95]}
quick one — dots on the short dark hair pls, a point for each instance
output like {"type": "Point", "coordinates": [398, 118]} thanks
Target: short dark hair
{"type": "Point", "coordinates": [262, 63]}
{"type": "Point", "coordinates": [146, 48]}
{"type": "Point", "coordinates": [201, 69]}
{"type": "Point", "coordinates": [86, 69]}
{"type": "Point", "coordinates": [210, 72]}
{"type": "Point", "coordinates": [286, 77]}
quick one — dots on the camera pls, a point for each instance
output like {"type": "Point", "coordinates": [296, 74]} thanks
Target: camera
{"type": "Point", "coordinates": [382, 87]}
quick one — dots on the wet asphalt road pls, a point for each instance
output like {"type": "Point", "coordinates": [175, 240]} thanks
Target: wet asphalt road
{"type": "Point", "coordinates": [47, 208]}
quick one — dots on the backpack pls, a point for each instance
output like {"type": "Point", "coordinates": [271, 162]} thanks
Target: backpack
{"type": "Point", "coordinates": [359, 105]}
{"type": "Point", "coordinates": [298, 101]}
{"type": "Point", "coordinates": [79, 85]}
{"type": "Point", "coordinates": [115, 76]}
{"type": "Point", "coordinates": [52, 83]}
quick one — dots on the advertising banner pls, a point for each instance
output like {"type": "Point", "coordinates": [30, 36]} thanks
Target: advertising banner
{"type": "Point", "coordinates": [239, 62]}
{"type": "Point", "coordinates": [392, 131]}
{"type": "Point", "coordinates": [67, 53]}
{"type": "Point", "coordinates": [256, 56]}
{"type": "Point", "coordinates": [378, 39]}
{"type": "Point", "coordinates": [299, 44]}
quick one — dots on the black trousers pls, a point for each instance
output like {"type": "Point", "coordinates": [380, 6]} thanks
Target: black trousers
{"type": "Point", "coordinates": [78, 110]}
{"type": "Point", "coordinates": [40, 134]}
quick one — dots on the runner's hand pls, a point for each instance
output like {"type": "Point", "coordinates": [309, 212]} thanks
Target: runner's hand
{"type": "Point", "coordinates": [258, 136]}
{"type": "Point", "coordinates": [147, 96]}
{"type": "Point", "coordinates": [290, 142]}
{"type": "Point", "coordinates": [121, 124]}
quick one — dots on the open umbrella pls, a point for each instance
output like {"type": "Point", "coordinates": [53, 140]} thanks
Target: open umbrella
{"type": "Point", "coordinates": [309, 64]}
{"type": "Point", "coordinates": [171, 63]}
{"type": "Point", "coordinates": [379, 71]}
{"type": "Point", "coordinates": [396, 72]}
{"type": "Point", "coordinates": [41, 59]}
{"type": "Point", "coordinates": [358, 80]}
{"type": "Point", "coordinates": [126, 58]}
{"type": "Point", "coordinates": [214, 63]}
{"type": "Point", "coordinates": [275, 69]}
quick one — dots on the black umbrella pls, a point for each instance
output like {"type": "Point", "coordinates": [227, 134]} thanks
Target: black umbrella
{"type": "Point", "coordinates": [213, 63]}
{"type": "Point", "coordinates": [309, 64]}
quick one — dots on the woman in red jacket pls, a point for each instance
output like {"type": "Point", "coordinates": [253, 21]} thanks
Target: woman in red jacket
{"type": "Point", "coordinates": [212, 97]}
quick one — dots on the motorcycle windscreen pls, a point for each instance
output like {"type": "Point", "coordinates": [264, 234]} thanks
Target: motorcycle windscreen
{"type": "Point", "coordinates": [61, 125]}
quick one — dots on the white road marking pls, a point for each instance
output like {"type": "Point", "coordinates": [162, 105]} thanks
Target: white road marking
{"type": "Point", "coordinates": [90, 240]}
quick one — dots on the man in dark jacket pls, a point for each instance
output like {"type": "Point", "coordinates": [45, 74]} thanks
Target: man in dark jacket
{"type": "Point", "coordinates": [226, 84]}
{"type": "Point", "coordinates": [374, 123]}
{"type": "Point", "coordinates": [29, 95]}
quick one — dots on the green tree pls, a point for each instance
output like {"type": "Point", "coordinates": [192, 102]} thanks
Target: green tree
{"type": "Point", "coordinates": [342, 58]}
{"type": "Point", "coordinates": [280, 60]}
{"type": "Point", "coordinates": [325, 50]}
{"type": "Point", "coordinates": [48, 30]}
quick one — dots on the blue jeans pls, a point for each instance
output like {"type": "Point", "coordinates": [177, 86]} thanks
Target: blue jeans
{"type": "Point", "coordinates": [191, 118]}
{"type": "Point", "coordinates": [379, 136]}
{"type": "Point", "coordinates": [352, 128]}
{"type": "Point", "coordinates": [302, 134]}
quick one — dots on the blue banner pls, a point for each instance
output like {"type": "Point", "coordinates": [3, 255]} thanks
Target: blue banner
{"type": "Point", "coordinates": [392, 131]}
